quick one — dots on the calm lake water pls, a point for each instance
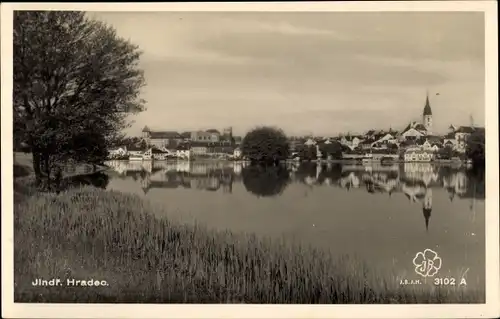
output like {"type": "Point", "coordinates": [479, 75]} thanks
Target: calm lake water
{"type": "Point", "coordinates": [383, 214]}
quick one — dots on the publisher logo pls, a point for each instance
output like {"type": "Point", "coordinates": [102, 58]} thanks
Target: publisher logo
{"type": "Point", "coordinates": [427, 263]}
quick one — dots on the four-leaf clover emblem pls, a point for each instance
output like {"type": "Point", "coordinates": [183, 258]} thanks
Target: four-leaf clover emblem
{"type": "Point", "coordinates": [427, 263]}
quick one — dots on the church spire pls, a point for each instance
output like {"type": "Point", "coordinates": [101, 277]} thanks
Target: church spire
{"type": "Point", "coordinates": [427, 107]}
{"type": "Point", "coordinates": [427, 216]}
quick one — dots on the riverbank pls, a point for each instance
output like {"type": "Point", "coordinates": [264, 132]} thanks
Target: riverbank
{"type": "Point", "coordinates": [334, 161]}
{"type": "Point", "coordinates": [23, 166]}
{"type": "Point", "coordinates": [24, 175]}
{"type": "Point", "coordinates": [92, 234]}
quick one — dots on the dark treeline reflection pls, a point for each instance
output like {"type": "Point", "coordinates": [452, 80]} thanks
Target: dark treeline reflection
{"type": "Point", "coordinates": [415, 180]}
{"type": "Point", "coordinates": [265, 180]}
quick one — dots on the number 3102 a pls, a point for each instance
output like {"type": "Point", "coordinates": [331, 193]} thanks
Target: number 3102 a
{"type": "Point", "coordinates": [444, 281]}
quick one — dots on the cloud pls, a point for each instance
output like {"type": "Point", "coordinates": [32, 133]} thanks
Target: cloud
{"type": "Point", "coordinates": [289, 29]}
{"type": "Point", "coordinates": [306, 71]}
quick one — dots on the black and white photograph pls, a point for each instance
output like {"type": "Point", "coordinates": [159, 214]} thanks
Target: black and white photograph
{"type": "Point", "coordinates": [250, 157]}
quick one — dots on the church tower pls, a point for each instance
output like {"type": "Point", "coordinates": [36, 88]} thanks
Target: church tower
{"type": "Point", "coordinates": [145, 132]}
{"type": "Point", "coordinates": [427, 207]}
{"type": "Point", "coordinates": [427, 116]}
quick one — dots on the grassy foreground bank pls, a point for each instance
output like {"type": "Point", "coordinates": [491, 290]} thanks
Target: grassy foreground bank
{"type": "Point", "coordinates": [88, 233]}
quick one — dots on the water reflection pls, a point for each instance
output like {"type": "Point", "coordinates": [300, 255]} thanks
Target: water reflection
{"type": "Point", "coordinates": [379, 212]}
{"type": "Point", "coordinates": [99, 180]}
{"type": "Point", "coordinates": [265, 181]}
{"type": "Point", "coordinates": [415, 180]}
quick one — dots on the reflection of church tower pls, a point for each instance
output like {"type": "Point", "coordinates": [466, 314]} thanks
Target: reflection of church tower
{"type": "Point", "coordinates": [227, 187]}
{"type": "Point", "coordinates": [427, 207]}
{"type": "Point", "coordinates": [145, 183]}
{"type": "Point", "coordinates": [318, 152]}
{"type": "Point", "coordinates": [319, 169]}
{"type": "Point", "coordinates": [427, 116]}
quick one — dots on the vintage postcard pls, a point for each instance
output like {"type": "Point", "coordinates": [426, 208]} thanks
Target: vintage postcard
{"type": "Point", "coordinates": [250, 160]}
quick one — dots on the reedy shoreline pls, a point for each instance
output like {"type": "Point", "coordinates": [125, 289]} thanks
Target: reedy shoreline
{"type": "Point", "coordinates": [88, 233]}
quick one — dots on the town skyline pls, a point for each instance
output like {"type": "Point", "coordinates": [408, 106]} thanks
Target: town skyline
{"type": "Point", "coordinates": [349, 73]}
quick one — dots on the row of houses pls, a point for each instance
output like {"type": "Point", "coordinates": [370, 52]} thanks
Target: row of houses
{"type": "Point", "coordinates": [183, 150]}
{"type": "Point", "coordinates": [416, 137]}
{"type": "Point", "coordinates": [416, 140]}
{"type": "Point", "coordinates": [415, 147]}
{"type": "Point", "coordinates": [456, 139]}
{"type": "Point", "coordinates": [172, 139]}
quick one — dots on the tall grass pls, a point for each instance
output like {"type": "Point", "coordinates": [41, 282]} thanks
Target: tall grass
{"type": "Point", "coordinates": [88, 233]}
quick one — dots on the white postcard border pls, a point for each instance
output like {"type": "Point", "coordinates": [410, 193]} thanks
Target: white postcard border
{"type": "Point", "coordinates": [490, 309]}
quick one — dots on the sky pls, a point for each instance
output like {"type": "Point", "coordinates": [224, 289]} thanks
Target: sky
{"type": "Point", "coordinates": [318, 73]}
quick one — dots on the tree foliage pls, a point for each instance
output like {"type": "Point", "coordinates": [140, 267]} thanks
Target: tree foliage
{"type": "Point", "coordinates": [475, 148]}
{"type": "Point", "coordinates": [446, 152]}
{"type": "Point", "coordinates": [265, 145]}
{"type": "Point", "coordinates": [308, 152]}
{"type": "Point", "coordinates": [75, 82]}
{"type": "Point", "coordinates": [333, 149]}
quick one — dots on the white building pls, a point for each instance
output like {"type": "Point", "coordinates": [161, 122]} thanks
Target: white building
{"type": "Point", "coordinates": [120, 151]}
{"type": "Point", "coordinates": [310, 142]}
{"type": "Point", "coordinates": [457, 137]}
{"type": "Point", "coordinates": [350, 141]}
{"type": "Point", "coordinates": [183, 152]}
{"type": "Point", "coordinates": [418, 156]}
{"type": "Point", "coordinates": [237, 153]}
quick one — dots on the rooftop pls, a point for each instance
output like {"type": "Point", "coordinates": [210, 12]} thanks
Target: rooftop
{"type": "Point", "coordinates": [415, 125]}
{"type": "Point", "coordinates": [134, 148]}
{"type": "Point", "coordinates": [213, 131]}
{"type": "Point", "coordinates": [465, 129]}
{"type": "Point", "coordinates": [164, 135]}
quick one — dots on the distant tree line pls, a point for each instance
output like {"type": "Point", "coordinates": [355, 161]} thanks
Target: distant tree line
{"type": "Point", "coordinates": [75, 82]}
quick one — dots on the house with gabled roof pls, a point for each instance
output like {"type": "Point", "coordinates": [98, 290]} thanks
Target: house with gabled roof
{"type": "Point", "coordinates": [458, 136]}
{"type": "Point", "coordinates": [198, 148]}
{"type": "Point", "coordinates": [135, 150]}
{"type": "Point", "coordinates": [386, 138]}
{"type": "Point", "coordinates": [414, 130]}
{"type": "Point", "coordinates": [186, 136]}
{"type": "Point", "coordinates": [211, 135]}
{"type": "Point", "coordinates": [212, 130]}
{"type": "Point", "coordinates": [161, 138]}
{"type": "Point", "coordinates": [310, 142]}
{"type": "Point", "coordinates": [351, 141]}
{"type": "Point", "coordinates": [183, 151]}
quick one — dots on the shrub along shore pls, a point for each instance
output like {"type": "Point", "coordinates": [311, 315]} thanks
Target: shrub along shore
{"type": "Point", "coordinates": [91, 234]}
